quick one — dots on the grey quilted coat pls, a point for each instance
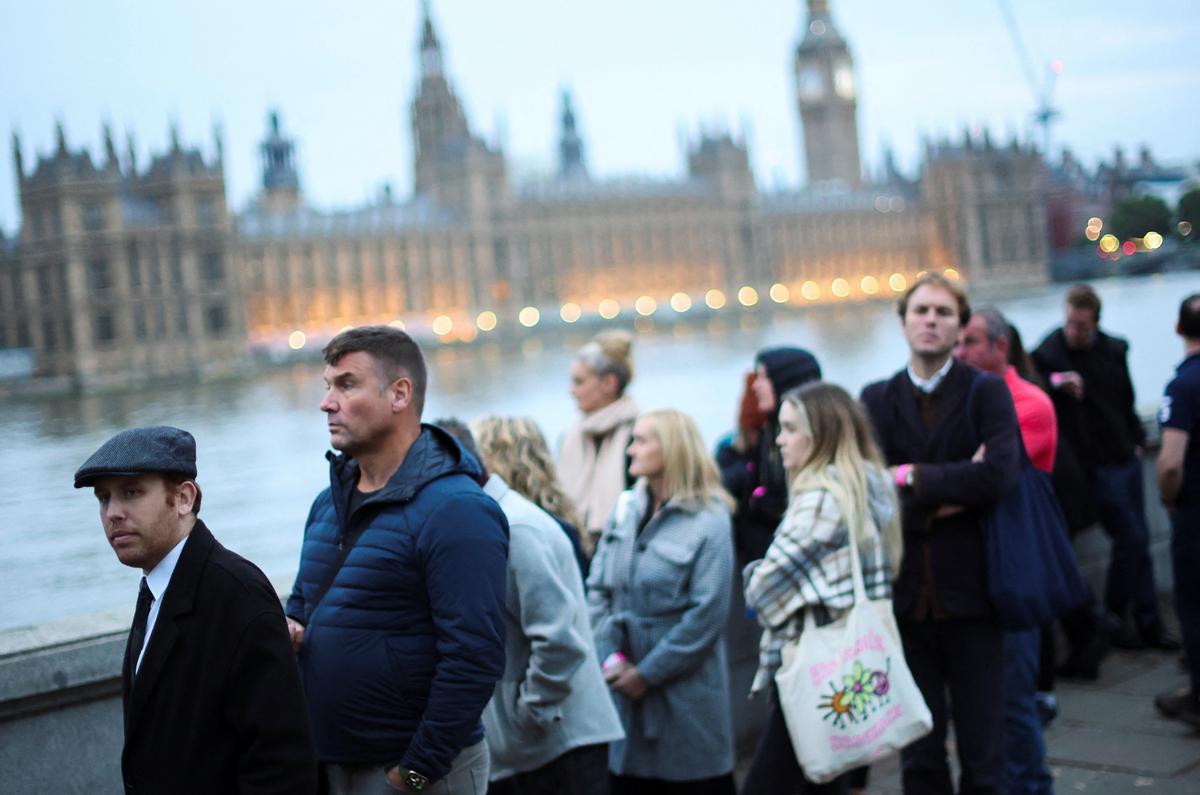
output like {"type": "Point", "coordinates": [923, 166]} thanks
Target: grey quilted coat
{"type": "Point", "coordinates": [661, 597]}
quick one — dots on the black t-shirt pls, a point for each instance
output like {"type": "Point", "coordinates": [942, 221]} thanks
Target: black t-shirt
{"type": "Point", "coordinates": [1181, 410]}
{"type": "Point", "coordinates": [358, 497]}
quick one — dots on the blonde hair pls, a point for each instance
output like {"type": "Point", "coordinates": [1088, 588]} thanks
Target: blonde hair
{"type": "Point", "coordinates": [610, 352]}
{"type": "Point", "coordinates": [515, 449]}
{"type": "Point", "coordinates": [690, 475]}
{"type": "Point", "coordinates": [841, 439]}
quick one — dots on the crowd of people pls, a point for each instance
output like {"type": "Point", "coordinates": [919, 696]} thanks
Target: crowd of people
{"type": "Point", "coordinates": [472, 614]}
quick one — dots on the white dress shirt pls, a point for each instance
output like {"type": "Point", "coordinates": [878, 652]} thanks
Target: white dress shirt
{"type": "Point", "coordinates": [927, 385]}
{"type": "Point", "coordinates": [157, 580]}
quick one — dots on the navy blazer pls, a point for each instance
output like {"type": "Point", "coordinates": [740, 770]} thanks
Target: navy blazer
{"type": "Point", "coordinates": [943, 574]}
{"type": "Point", "coordinates": [217, 705]}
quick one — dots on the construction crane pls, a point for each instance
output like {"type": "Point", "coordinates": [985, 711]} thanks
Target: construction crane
{"type": "Point", "coordinates": [1044, 112]}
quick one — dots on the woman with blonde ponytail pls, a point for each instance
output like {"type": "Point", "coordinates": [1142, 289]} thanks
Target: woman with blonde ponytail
{"type": "Point", "coordinates": [839, 493]}
{"type": "Point", "coordinates": [591, 458]}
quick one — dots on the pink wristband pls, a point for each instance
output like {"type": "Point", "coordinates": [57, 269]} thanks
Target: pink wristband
{"type": "Point", "coordinates": [612, 659]}
{"type": "Point", "coordinates": [902, 474]}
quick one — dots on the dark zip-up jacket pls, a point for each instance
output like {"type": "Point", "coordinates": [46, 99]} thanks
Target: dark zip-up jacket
{"type": "Point", "coordinates": [404, 650]}
{"type": "Point", "coordinates": [1104, 427]}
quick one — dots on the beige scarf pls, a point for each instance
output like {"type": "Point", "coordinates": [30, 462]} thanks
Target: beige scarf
{"type": "Point", "coordinates": [591, 463]}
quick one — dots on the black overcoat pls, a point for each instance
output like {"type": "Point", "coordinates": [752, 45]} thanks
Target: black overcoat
{"type": "Point", "coordinates": [944, 557]}
{"type": "Point", "coordinates": [217, 704]}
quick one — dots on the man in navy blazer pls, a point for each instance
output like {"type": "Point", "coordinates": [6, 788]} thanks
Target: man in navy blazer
{"type": "Point", "coordinates": [210, 686]}
{"type": "Point", "coordinates": [951, 466]}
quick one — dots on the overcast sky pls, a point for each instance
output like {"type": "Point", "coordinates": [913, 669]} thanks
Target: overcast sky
{"type": "Point", "coordinates": [343, 75]}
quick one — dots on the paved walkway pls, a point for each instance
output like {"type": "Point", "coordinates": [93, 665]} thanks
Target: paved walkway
{"type": "Point", "coordinates": [1108, 738]}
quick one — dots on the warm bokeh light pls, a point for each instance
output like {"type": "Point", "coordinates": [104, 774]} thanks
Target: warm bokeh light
{"type": "Point", "coordinates": [467, 333]}
{"type": "Point", "coordinates": [1092, 233]}
{"type": "Point", "coordinates": [747, 296]}
{"type": "Point", "coordinates": [570, 312]}
{"type": "Point", "coordinates": [714, 298]}
{"type": "Point", "coordinates": [347, 327]}
{"type": "Point", "coordinates": [897, 282]}
{"type": "Point", "coordinates": [442, 324]}
{"type": "Point", "coordinates": [811, 291]}
{"type": "Point", "coordinates": [1152, 240]}
{"type": "Point", "coordinates": [870, 285]}
{"type": "Point", "coordinates": [609, 308]}
{"type": "Point", "coordinates": [779, 293]}
{"type": "Point", "coordinates": [397, 324]}
{"type": "Point", "coordinates": [921, 275]}
{"type": "Point", "coordinates": [1129, 247]}
{"type": "Point", "coordinates": [1109, 243]}
{"type": "Point", "coordinates": [681, 302]}
{"type": "Point", "coordinates": [296, 340]}
{"type": "Point", "coordinates": [840, 287]}
{"type": "Point", "coordinates": [645, 305]}
{"type": "Point", "coordinates": [529, 316]}
{"type": "Point", "coordinates": [952, 274]}
{"type": "Point", "coordinates": [1095, 223]}
{"type": "Point", "coordinates": [486, 320]}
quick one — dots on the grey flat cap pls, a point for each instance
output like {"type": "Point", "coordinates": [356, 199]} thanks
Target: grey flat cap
{"type": "Point", "coordinates": [141, 450]}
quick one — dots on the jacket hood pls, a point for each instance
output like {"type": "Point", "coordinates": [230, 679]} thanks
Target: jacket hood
{"type": "Point", "coordinates": [435, 454]}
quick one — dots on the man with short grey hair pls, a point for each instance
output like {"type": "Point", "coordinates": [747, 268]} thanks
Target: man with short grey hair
{"type": "Point", "coordinates": [397, 613]}
{"type": "Point", "coordinates": [211, 694]}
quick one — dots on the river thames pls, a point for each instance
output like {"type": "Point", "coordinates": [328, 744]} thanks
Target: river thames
{"type": "Point", "coordinates": [261, 441]}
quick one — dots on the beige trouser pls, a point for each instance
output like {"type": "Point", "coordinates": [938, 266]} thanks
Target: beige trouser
{"type": "Point", "coordinates": [468, 776]}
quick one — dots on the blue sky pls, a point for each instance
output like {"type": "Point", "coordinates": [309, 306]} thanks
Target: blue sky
{"type": "Point", "coordinates": [641, 70]}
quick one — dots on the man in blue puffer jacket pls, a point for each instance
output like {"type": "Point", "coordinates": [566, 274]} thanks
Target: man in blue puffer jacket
{"type": "Point", "coordinates": [397, 613]}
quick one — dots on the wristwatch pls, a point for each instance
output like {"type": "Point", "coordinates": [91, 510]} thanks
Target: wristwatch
{"type": "Point", "coordinates": [413, 780]}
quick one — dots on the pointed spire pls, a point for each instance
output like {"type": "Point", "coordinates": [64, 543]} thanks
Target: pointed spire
{"type": "Point", "coordinates": [570, 145]}
{"type": "Point", "coordinates": [60, 136]}
{"type": "Point", "coordinates": [110, 150]}
{"type": "Point", "coordinates": [431, 48]}
{"type": "Point", "coordinates": [18, 160]}
{"type": "Point", "coordinates": [219, 142]}
{"type": "Point", "coordinates": [131, 153]}
{"type": "Point", "coordinates": [174, 134]}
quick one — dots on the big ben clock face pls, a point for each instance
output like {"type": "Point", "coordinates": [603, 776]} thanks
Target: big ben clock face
{"type": "Point", "coordinates": [843, 80]}
{"type": "Point", "coordinates": [811, 83]}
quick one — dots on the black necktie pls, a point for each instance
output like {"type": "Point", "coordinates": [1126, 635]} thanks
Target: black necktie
{"type": "Point", "coordinates": [137, 634]}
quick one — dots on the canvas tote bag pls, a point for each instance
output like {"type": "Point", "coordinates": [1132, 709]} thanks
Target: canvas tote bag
{"type": "Point", "coordinates": [847, 695]}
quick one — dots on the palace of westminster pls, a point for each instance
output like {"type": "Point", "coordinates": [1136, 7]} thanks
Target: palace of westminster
{"type": "Point", "coordinates": [124, 271]}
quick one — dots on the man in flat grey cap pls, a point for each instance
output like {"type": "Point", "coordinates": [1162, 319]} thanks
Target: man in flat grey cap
{"type": "Point", "coordinates": [211, 692]}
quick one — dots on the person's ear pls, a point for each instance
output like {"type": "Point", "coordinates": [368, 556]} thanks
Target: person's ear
{"type": "Point", "coordinates": [402, 393]}
{"type": "Point", "coordinates": [185, 497]}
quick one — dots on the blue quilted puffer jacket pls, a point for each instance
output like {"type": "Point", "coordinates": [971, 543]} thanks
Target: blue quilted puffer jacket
{"type": "Point", "coordinates": [403, 652]}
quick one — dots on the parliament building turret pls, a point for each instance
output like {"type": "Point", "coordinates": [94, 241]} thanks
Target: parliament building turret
{"type": "Point", "coordinates": [121, 272]}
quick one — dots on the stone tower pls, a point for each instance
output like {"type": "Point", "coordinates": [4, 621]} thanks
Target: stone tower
{"type": "Point", "coordinates": [571, 165]}
{"type": "Point", "coordinates": [452, 167]}
{"type": "Point", "coordinates": [827, 98]}
{"type": "Point", "coordinates": [280, 180]}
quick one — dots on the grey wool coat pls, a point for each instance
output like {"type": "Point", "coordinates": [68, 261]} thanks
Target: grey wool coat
{"type": "Point", "coordinates": [661, 597]}
{"type": "Point", "coordinates": [552, 697]}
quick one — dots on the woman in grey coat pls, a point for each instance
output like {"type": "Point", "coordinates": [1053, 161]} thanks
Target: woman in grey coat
{"type": "Point", "coordinates": [659, 593]}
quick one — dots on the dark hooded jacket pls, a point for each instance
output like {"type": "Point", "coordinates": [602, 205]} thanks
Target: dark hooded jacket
{"type": "Point", "coordinates": [755, 477]}
{"type": "Point", "coordinates": [404, 650]}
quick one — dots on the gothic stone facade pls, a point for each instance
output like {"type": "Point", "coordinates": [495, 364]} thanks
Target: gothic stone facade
{"type": "Point", "coordinates": [121, 273]}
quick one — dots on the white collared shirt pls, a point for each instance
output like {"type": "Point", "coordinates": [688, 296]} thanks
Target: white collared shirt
{"type": "Point", "coordinates": [157, 580]}
{"type": "Point", "coordinates": [927, 385]}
